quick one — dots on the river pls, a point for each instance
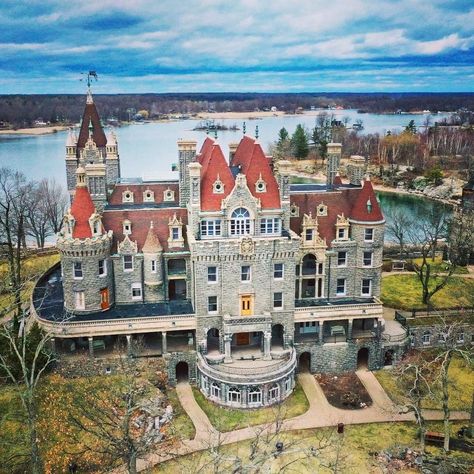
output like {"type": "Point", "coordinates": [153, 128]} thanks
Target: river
{"type": "Point", "coordinates": [149, 149]}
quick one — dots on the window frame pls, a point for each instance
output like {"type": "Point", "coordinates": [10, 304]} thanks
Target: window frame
{"type": "Point", "coordinates": [79, 297]}
{"type": "Point", "coordinates": [104, 268]}
{"type": "Point", "coordinates": [364, 261]}
{"type": "Point", "coordinates": [77, 270]}
{"type": "Point", "coordinates": [340, 259]}
{"type": "Point", "coordinates": [211, 227]}
{"type": "Point", "coordinates": [362, 286]}
{"type": "Point", "coordinates": [371, 229]}
{"type": "Point", "coordinates": [136, 286]}
{"type": "Point", "coordinates": [125, 263]}
{"type": "Point", "coordinates": [277, 299]}
{"type": "Point", "coordinates": [212, 304]}
{"type": "Point", "coordinates": [280, 272]}
{"type": "Point", "coordinates": [211, 275]}
{"type": "Point", "coordinates": [339, 293]}
{"type": "Point", "coordinates": [249, 274]}
{"type": "Point", "coordinates": [308, 235]}
{"type": "Point", "coordinates": [240, 224]}
{"type": "Point", "coordinates": [270, 226]}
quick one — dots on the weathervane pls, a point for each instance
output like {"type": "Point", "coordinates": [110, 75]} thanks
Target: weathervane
{"type": "Point", "coordinates": [244, 128]}
{"type": "Point", "coordinates": [256, 131]}
{"type": "Point", "coordinates": [90, 75]}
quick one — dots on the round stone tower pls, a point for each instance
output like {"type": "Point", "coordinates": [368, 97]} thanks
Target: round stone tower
{"type": "Point", "coordinates": [153, 266]}
{"type": "Point", "coordinates": [84, 247]}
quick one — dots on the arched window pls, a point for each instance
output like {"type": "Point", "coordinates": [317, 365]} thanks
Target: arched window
{"type": "Point", "coordinates": [233, 395]}
{"type": "Point", "coordinates": [255, 395]}
{"type": "Point", "coordinates": [274, 393]}
{"type": "Point", "coordinates": [240, 222]}
{"type": "Point", "coordinates": [215, 390]}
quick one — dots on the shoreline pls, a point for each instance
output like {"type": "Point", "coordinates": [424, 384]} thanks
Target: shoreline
{"type": "Point", "coordinates": [35, 130]}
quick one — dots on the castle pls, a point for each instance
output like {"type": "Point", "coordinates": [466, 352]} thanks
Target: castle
{"type": "Point", "coordinates": [232, 274]}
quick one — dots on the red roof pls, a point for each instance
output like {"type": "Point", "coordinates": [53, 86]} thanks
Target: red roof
{"type": "Point", "coordinates": [253, 164]}
{"type": "Point", "coordinates": [214, 166]}
{"type": "Point", "coordinates": [140, 220]}
{"type": "Point", "coordinates": [82, 208]}
{"type": "Point", "coordinates": [98, 135]}
{"type": "Point", "coordinates": [361, 210]}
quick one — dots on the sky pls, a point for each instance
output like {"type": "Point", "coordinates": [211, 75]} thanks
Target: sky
{"type": "Point", "coordinates": [237, 45]}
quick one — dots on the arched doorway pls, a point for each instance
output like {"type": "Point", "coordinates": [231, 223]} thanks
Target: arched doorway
{"type": "Point", "coordinates": [363, 358]}
{"type": "Point", "coordinates": [182, 371]}
{"type": "Point", "coordinates": [388, 358]}
{"type": "Point", "coordinates": [212, 340]}
{"type": "Point", "coordinates": [305, 362]}
{"type": "Point", "coordinates": [277, 335]}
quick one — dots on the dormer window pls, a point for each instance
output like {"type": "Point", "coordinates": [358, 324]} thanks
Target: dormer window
{"type": "Point", "coordinates": [342, 228]}
{"type": "Point", "coordinates": [176, 238]}
{"type": "Point", "coordinates": [309, 234]}
{"type": "Point", "coordinates": [240, 222]}
{"type": "Point", "coordinates": [322, 210]}
{"type": "Point", "coordinates": [294, 210]}
{"type": "Point", "coordinates": [148, 196]}
{"type": "Point", "coordinates": [127, 196]}
{"type": "Point", "coordinates": [175, 233]}
{"type": "Point", "coordinates": [218, 186]}
{"type": "Point", "coordinates": [168, 195]}
{"type": "Point", "coordinates": [127, 227]}
{"type": "Point", "coordinates": [260, 185]}
{"type": "Point", "coordinates": [369, 206]}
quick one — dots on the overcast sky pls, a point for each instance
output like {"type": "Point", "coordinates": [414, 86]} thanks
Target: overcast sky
{"type": "Point", "coordinates": [237, 45]}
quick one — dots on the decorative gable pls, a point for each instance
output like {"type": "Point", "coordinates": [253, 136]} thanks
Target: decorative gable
{"type": "Point", "coordinates": [260, 185]}
{"type": "Point", "coordinates": [127, 247]}
{"type": "Point", "coordinates": [310, 234]}
{"type": "Point", "coordinates": [175, 238]}
{"type": "Point", "coordinates": [168, 195]}
{"type": "Point", "coordinates": [127, 196]}
{"type": "Point", "coordinates": [342, 228]}
{"type": "Point", "coordinates": [218, 186]}
{"type": "Point", "coordinates": [148, 196]}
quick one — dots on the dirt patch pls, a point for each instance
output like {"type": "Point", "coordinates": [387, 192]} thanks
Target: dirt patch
{"type": "Point", "coordinates": [344, 391]}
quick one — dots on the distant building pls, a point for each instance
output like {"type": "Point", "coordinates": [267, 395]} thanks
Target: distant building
{"type": "Point", "coordinates": [237, 277]}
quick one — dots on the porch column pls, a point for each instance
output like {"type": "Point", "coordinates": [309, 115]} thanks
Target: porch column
{"type": "Point", "coordinates": [53, 345]}
{"type": "Point", "coordinates": [267, 342]}
{"type": "Point", "coordinates": [129, 345]}
{"type": "Point", "coordinates": [91, 346]}
{"type": "Point", "coordinates": [227, 350]}
{"type": "Point", "coordinates": [164, 343]}
{"type": "Point", "coordinates": [321, 332]}
{"type": "Point", "coordinates": [349, 329]}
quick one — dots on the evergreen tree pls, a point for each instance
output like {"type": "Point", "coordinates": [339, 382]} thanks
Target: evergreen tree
{"type": "Point", "coordinates": [411, 127]}
{"type": "Point", "coordinates": [283, 136]}
{"type": "Point", "coordinates": [299, 143]}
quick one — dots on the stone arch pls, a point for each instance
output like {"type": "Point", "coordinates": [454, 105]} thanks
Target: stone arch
{"type": "Point", "coordinates": [363, 358]}
{"type": "Point", "coordinates": [304, 364]}
{"type": "Point", "coordinates": [213, 340]}
{"type": "Point", "coordinates": [182, 371]}
{"type": "Point", "coordinates": [389, 357]}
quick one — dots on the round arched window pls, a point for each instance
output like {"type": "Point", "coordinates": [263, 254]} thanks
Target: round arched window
{"type": "Point", "coordinates": [240, 222]}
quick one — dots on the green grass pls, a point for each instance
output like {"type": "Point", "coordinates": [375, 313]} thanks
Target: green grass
{"type": "Point", "coordinates": [461, 387]}
{"type": "Point", "coordinates": [439, 266]}
{"type": "Point", "coordinates": [229, 419]}
{"type": "Point", "coordinates": [357, 444]}
{"type": "Point", "coordinates": [404, 292]}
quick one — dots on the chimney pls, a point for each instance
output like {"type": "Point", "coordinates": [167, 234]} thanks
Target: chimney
{"type": "Point", "coordinates": [232, 150]}
{"type": "Point", "coordinates": [356, 169]}
{"type": "Point", "coordinates": [187, 154]}
{"type": "Point", "coordinates": [334, 151]}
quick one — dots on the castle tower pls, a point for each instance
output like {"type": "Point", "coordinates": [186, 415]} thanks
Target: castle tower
{"type": "Point", "coordinates": [283, 178]}
{"type": "Point", "coordinates": [84, 248]}
{"type": "Point", "coordinates": [71, 161]}
{"type": "Point", "coordinates": [333, 162]}
{"type": "Point", "coordinates": [112, 160]}
{"type": "Point", "coordinates": [187, 154]}
{"type": "Point", "coordinates": [153, 266]}
{"type": "Point", "coordinates": [356, 169]}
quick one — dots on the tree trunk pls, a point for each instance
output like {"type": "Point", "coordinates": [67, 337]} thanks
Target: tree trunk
{"type": "Point", "coordinates": [446, 413]}
{"type": "Point", "coordinates": [132, 464]}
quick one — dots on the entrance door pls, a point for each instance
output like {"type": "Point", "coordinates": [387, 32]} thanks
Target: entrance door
{"type": "Point", "coordinates": [104, 298]}
{"type": "Point", "coordinates": [245, 305]}
{"type": "Point", "coordinates": [242, 338]}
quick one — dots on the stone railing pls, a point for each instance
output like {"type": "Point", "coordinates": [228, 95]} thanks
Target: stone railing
{"type": "Point", "coordinates": [260, 319]}
{"type": "Point", "coordinates": [257, 375]}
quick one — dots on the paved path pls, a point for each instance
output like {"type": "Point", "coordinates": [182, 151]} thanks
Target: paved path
{"type": "Point", "coordinates": [319, 414]}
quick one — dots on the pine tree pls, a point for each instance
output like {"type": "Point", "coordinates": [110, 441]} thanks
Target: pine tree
{"type": "Point", "coordinates": [299, 142]}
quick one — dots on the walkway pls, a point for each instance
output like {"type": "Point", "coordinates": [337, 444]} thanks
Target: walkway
{"type": "Point", "coordinates": [319, 414]}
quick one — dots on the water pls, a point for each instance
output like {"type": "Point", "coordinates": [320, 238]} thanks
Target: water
{"type": "Point", "coordinates": [148, 150]}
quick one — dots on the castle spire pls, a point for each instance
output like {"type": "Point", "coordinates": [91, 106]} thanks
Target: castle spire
{"type": "Point", "coordinates": [89, 99]}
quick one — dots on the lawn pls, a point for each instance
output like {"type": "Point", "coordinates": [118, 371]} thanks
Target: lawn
{"type": "Point", "coordinates": [229, 419]}
{"type": "Point", "coordinates": [404, 292]}
{"type": "Point", "coordinates": [357, 445]}
{"type": "Point", "coordinates": [440, 266]}
{"type": "Point", "coordinates": [461, 387]}
{"type": "Point", "coordinates": [182, 424]}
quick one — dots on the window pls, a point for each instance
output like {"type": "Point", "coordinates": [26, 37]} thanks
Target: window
{"type": "Point", "coordinates": [245, 273]}
{"type": "Point", "coordinates": [255, 395]}
{"type": "Point", "coordinates": [215, 390]}
{"type": "Point", "coordinates": [270, 225]}
{"type": "Point", "coordinates": [211, 274]}
{"type": "Point", "coordinates": [369, 234]}
{"type": "Point", "coordinates": [148, 196]}
{"type": "Point", "coordinates": [136, 291]}
{"type": "Point", "coordinates": [240, 222]}
{"type": "Point", "coordinates": [218, 186]}
{"type": "Point", "coordinates": [128, 263]}
{"type": "Point", "coordinates": [127, 196]}
{"type": "Point", "coordinates": [341, 233]}
{"type": "Point", "coordinates": [309, 234]}
{"type": "Point", "coordinates": [308, 327]}
{"type": "Point", "coordinates": [153, 266]}
{"type": "Point", "coordinates": [96, 227]}
{"type": "Point", "coordinates": [366, 287]}
{"type": "Point", "coordinates": [102, 267]}
{"type": "Point", "coordinates": [367, 259]}
{"type": "Point", "coordinates": [168, 195]}
{"type": "Point", "coordinates": [77, 270]}
{"type": "Point", "coordinates": [126, 227]}
{"type": "Point", "coordinates": [341, 259]}
{"type": "Point", "coordinates": [210, 228]}
{"type": "Point", "coordinates": [278, 300]}
{"type": "Point", "coordinates": [278, 271]}
{"type": "Point", "coordinates": [341, 286]}
{"type": "Point", "coordinates": [212, 304]}
{"type": "Point", "coordinates": [322, 210]}
{"type": "Point", "coordinates": [288, 384]}
{"type": "Point", "coordinates": [426, 338]}
{"type": "Point", "coordinates": [79, 300]}
{"type": "Point", "coordinates": [233, 395]}
{"type": "Point", "coordinates": [175, 233]}
{"type": "Point", "coordinates": [274, 393]}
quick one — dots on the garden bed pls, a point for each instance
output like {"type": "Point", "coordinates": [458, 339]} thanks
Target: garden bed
{"type": "Point", "coordinates": [344, 391]}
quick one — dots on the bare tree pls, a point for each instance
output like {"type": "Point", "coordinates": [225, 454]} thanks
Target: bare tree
{"type": "Point", "coordinates": [37, 221]}
{"type": "Point", "coordinates": [56, 202]}
{"type": "Point", "coordinates": [398, 227]}
{"type": "Point", "coordinates": [23, 361]}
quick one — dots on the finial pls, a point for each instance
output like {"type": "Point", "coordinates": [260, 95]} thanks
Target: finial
{"type": "Point", "coordinates": [91, 127]}
{"type": "Point", "coordinates": [256, 131]}
{"type": "Point", "coordinates": [244, 128]}
{"type": "Point", "coordinates": [151, 224]}
{"type": "Point", "coordinates": [215, 132]}
{"type": "Point", "coordinates": [89, 99]}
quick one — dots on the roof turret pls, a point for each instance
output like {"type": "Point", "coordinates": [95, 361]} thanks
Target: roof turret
{"type": "Point", "coordinates": [152, 242]}
{"type": "Point", "coordinates": [82, 207]}
{"type": "Point", "coordinates": [366, 207]}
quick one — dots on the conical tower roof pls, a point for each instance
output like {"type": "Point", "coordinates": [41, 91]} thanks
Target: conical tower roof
{"type": "Point", "coordinates": [91, 116]}
{"type": "Point", "coordinates": [82, 208]}
{"type": "Point", "coordinates": [152, 243]}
